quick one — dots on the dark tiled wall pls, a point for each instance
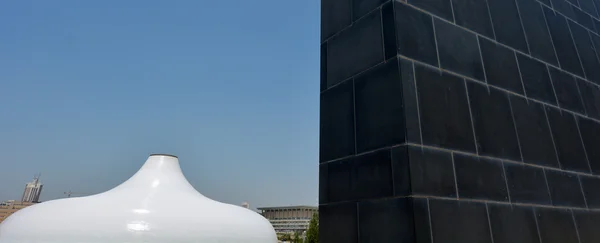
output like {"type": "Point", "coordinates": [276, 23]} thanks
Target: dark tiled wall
{"type": "Point", "coordinates": [460, 121]}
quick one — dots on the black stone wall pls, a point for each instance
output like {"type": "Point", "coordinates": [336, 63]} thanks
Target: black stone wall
{"type": "Point", "coordinates": [460, 121]}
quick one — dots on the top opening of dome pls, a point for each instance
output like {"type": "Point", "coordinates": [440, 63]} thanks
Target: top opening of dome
{"type": "Point", "coordinates": [170, 155]}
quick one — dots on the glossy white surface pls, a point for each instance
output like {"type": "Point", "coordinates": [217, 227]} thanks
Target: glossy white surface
{"type": "Point", "coordinates": [156, 205]}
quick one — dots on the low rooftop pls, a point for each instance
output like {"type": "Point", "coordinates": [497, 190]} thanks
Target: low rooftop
{"type": "Point", "coordinates": [288, 207]}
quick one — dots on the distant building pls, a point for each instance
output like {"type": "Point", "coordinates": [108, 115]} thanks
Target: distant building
{"type": "Point", "coordinates": [289, 219]}
{"type": "Point", "coordinates": [9, 207]}
{"type": "Point", "coordinates": [32, 190]}
{"type": "Point", "coordinates": [245, 205]}
{"type": "Point", "coordinates": [7, 203]}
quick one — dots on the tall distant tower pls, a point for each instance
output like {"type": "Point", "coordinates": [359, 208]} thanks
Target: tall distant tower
{"type": "Point", "coordinates": [32, 190]}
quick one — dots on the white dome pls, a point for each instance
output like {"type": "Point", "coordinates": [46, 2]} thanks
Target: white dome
{"type": "Point", "coordinates": [156, 205]}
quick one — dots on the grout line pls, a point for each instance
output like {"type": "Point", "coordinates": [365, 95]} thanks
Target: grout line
{"type": "Point", "coordinates": [594, 45]}
{"type": "Point", "coordinates": [491, 19]}
{"type": "Point", "coordinates": [466, 200]}
{"type": "Point", "coordinates": [596, 30]}
{"type": "Point", "coordinates": [552, 84]}
{"type": "Point", "coordinates": [552, 136]}
{"type": "Point", "coordinates": [582, 191]}
{"type": "Point", "coordinates": [550, 34]}
{"type": "Point", "coordinates": [595, 50]}
{"type": "Point", "coordinates": [548, 187]}
{"type": "Point", "coordinates": [487, 212]}
{"type": "Point", "coordinates": [595, 10]}
{"type": "Point", "coordinates": [575, 225]}
{"type": "Point", "coordinates": [406, 99]}
{"type": "Point", "coordinates": [505, 160]}
{"type": "Point", "coordinates": [506, 182]}
{"type": "Point", "coordinates": [580, 95]}
{"type": "Point", "coordinates": [452, 8]}
{"type": "Point", "coordinates": [536, 224]}
{"type": "Point", "coordinates": [360, 154]}
{"type": "Point", "coordinates": [414, 76]}
{"type": "Point", "coordinates": [576, 49]}
{"type": "Point", "coordinates": [512, 114]}
{"type": "Point", "coordinates": [505, 203]}
{"type": "Point", "coordinates": [471, 116]}
{"type": "Point", "coordinates": [455, 178]}
{"type": "Point", "coordinates": [383, 30]}
{"type": "Point", "coordinates": [522, 26]}
{"type": "Point", "coordinates": [578, 6]}
{"type": "Point", "coordinates": [482, 63]}
{"type": "Point", "coordinates": [582, 144]}
{"type": "Point", "coordinates": [437, 51]}
{"type": "Point", "coordinates": [521, 77]}
{"type": "Point", "coordinates": [355, 75]}
{"type": "Point", "coordinates": [430, 223]}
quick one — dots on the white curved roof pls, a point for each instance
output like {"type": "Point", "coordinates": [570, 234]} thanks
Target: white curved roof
{"type": "Point", "coordinates": [156, 205]}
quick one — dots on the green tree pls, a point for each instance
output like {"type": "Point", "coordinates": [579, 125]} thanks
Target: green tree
{"type": "Point", "coordinates": [312, 234]}
{"type": "Point", "coordinates": [296, 238]}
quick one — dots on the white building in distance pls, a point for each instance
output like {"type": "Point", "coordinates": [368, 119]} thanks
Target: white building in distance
{"type": "Point", "coordinates": [32, 190]}
{"type": "Point", "coordinates": [289, 219]}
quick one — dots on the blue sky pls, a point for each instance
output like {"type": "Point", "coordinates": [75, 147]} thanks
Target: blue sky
{"type": "Point", "coordinates": [88, 89]}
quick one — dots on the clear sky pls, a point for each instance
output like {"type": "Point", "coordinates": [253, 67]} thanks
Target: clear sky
{"type": "Point", "coordinates": [88, 89]}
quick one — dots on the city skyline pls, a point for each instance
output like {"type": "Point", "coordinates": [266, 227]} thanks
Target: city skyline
{"type": "Point", "coordinates": [33, 192]}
